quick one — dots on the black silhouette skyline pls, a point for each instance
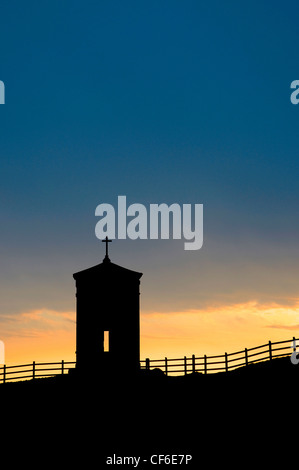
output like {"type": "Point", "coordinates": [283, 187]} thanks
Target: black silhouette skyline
{"type": "Point", "coordinates": [108, 407]}
{"type": "Point", "coordinates": [173, 101]}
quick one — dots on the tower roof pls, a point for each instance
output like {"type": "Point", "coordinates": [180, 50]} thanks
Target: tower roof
{"type": "Point", "coordinates": [106, 269]}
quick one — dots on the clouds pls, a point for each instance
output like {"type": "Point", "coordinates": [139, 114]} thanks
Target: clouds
{"type": "Point", "coordinates": [217, 329]}
{"type": "Point", "coordinates": [45, 334]}
{"type": "Point", "coordinates": [35, 323]}
{"type": "Point", "coordinates": [41, 335]}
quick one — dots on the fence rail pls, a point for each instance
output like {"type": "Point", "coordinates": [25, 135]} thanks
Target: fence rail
{"type": "Point", "coordinates": [34, 370]}
{"type": "Point", "coordinates": [204, 364]}
{"type": "Point", "coordinates": [223, 362]}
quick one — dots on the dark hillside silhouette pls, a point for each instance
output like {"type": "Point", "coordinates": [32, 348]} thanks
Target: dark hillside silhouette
{"type": "Point", "coordinates": [150, 412]}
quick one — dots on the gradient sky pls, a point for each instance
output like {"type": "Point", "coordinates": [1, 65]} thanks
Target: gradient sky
{"type": "Point", "coordinates": [161, 101]}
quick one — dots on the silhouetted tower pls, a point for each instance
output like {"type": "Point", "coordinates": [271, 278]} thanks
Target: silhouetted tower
{"type": "Point", "coordinates": [108, 331]}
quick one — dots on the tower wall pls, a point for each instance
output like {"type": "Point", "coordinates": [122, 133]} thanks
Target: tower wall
{"type": "Point", "coordinates": [108, 300]}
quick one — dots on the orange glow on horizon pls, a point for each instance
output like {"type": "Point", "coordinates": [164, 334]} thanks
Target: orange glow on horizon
{"type": "Point", "coordinates": [40, 335]}
{"type": "Point", "coordinates": [50, 336]}
{"type": "Point", "coordinates": [216, 330]}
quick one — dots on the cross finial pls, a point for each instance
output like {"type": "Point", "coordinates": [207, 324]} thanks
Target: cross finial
{"type": "Point", "coordinates": [106, 241]}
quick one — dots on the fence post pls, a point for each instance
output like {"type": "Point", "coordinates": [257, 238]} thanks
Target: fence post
{"type": "Point", "coordinates": [62, 367]}
{"type": "Point", "coordinates": [270, 351]}
{"type": "Point", "coordinates": [294, 344]}
{"type": "Point", "coordinates": [193, 363]}
{"type": "Point", "coordinates": [226, 363]}
{"type": "Point", "coordinates": [205, 363]}
{"type": "Point", "coordinates": [166, 371]}
{"type": "Point", "coordinates": [33, 370]}
{"type": "Point", "coordinates": [246, 357]}
{"type": "Point", "coordinates": [185, 364]}
{"type": "Point", "coordinates": [147, 364]}
{"type": "Point", "coordinates": [4, 373]}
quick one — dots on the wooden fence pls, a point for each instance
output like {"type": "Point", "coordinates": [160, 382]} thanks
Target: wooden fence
{"type": "Point", "coordinates": [34, 370]}
{"type": "Point", "coordinates": [204, 364]}
{"type": "Point", "coordinates": [222, 363]}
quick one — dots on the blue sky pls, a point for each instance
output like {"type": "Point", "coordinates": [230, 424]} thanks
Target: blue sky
{"type": "Point", "coordinates": [161, 101]}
